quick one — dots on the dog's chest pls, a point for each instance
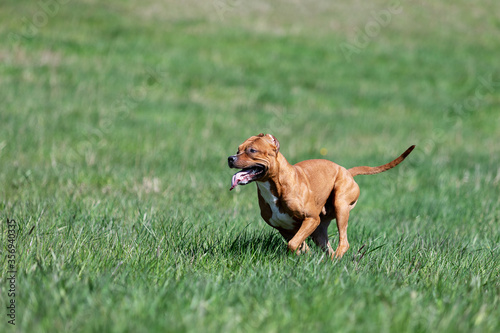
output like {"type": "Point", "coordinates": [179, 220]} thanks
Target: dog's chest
{"type": "Point", "coordinates": [275, 217]}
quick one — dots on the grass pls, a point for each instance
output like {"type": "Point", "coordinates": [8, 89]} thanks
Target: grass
{"type": "Point", "coordinates": [116, 123]}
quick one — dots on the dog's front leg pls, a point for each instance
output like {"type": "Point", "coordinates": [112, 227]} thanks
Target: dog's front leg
{"type": "Point", "coordinates": [288, 236]}
{"type": "Point", "coordinates": [306, 229]}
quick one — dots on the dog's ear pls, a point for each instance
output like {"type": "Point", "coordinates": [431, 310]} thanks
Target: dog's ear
{"type": "Point", "coordinates": [274, 141]}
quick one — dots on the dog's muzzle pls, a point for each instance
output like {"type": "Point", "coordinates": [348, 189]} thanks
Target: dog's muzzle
{"type": "Point", "coordinates": [231, 160]}
{"type": "Point", "coordinates": [247, 174]}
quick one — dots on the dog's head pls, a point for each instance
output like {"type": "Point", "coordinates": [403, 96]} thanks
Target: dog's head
{"type": "Point", "coordinates": [256, 157]}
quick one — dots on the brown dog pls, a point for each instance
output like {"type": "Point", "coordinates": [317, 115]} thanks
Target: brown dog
{"type": "Point", "coordinates": [300, 200]}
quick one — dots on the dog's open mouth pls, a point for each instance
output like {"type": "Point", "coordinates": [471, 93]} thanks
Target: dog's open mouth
{"type": "Point", "coordinates": [247, 175]}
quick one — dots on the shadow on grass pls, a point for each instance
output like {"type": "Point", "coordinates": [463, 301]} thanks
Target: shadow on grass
{"type": "Point", "coordinates": [221, 240]}
{"type": "Point", "coordinates": [263, 243]}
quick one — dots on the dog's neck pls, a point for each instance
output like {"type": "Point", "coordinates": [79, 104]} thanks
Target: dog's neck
{"type": "Point", "coordinates": [283, 177]}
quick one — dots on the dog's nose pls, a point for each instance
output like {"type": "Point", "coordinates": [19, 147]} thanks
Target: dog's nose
{"type": "Point", "coordinates": [230, 160]}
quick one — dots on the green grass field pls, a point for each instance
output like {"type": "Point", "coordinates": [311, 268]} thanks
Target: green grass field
{"type": "Point", "coordinates": [116, 121]}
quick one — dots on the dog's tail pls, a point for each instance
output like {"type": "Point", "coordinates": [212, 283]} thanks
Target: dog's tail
{"type": "Point", "coordinates": [366, 170]}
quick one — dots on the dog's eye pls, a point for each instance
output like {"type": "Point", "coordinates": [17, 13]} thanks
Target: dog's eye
{"type": "Point", "coordinates": [252, 150]}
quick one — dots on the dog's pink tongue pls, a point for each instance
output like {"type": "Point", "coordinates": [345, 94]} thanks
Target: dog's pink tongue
{"type": "Point", "coordinates": [237, 177]}
{"type": "Point", "coordinates": [234, 182]}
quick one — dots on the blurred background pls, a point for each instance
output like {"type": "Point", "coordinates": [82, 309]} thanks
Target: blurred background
{"type": "Point", "coordinates": [164, 90]}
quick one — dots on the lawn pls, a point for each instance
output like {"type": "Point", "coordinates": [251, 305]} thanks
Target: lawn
{"type": "Point", "coordinates": [117, 119]}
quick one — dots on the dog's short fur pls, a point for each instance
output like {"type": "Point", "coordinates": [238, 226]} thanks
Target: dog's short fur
{"type": "Point", "coordinates": [300, 200]}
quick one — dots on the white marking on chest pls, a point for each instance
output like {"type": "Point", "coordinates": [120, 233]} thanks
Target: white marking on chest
{"type": "Point", "coordinates": [278, 219]}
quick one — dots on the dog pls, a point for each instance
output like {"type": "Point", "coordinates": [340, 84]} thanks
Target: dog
{"type": "Point", "coordinates": [301, 200]}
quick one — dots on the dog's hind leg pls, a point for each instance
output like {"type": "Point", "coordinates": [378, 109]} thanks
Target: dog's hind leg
{"type": "Point", "coordinates": [344, 202]}
{"type": "Point", "coordinates": [342, 219]}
